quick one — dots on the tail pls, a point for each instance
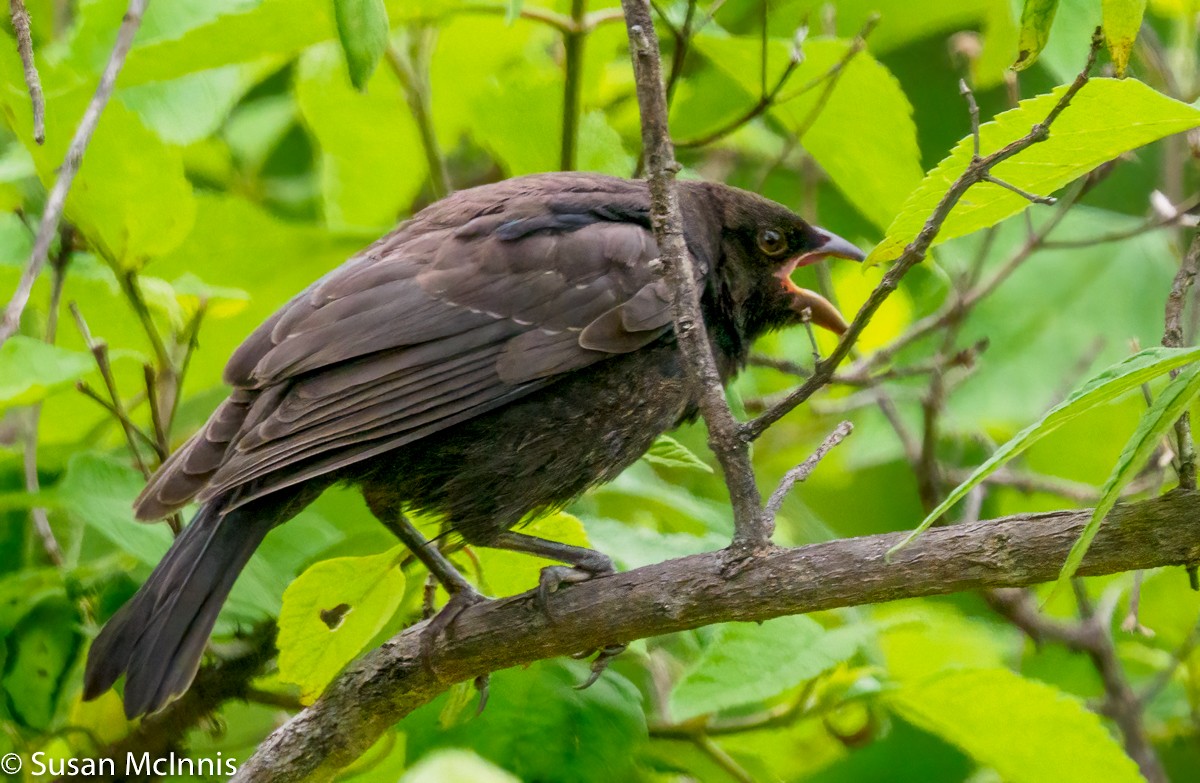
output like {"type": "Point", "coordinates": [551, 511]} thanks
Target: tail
{"type": "Point", "coordinates": [158, 637]}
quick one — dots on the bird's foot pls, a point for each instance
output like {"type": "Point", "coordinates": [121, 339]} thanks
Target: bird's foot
{"type": "Point", "coordinates": [600, 663]}
{"type": "Point", "coordinates": [440, 622]}
{"type": "Point", "coordinates": [554, 577]}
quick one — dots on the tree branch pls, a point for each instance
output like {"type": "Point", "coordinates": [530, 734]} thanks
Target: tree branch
{"type": "Point", "coordinates": [56, 201]}
{"type": "Point", "coordinates": [752, 528]}
{"type": "Point", "coordinates": [390, 682]}
{"type": "Point", "coordinates": [33, 82]}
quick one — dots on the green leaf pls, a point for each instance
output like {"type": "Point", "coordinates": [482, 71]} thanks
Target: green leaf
{"type": "Point", "coordinates": [98, 492]}
{"type": "Point", "coordinates": [131, 198]}
{"type": "Point", "coordinates": [539, 727]}
{"type": "Point", "coordinates": [1122, 20]}
{"type": "Point", "coordinates": [670, 453]}
{"type": "Point", "coordinates": [371, 162]}
{"type": "Point", "coordinates": [456, 766]}
{"type": "Point", "coordinates": [362, 27]}
{"type": "Point", "coordinates": [1036, 19]}
{"type": "Point", "coordinates": [330, 613]}
{"type": "Point", "coordinates": [1106, 118]}
{"type": "Point", "coordinates": [862, 132]}
{"type": "Point", "coordinates": [1168, 406]}
{"type": "Point", "coordinates": [31, 370]}
{"type": "Point", "coordinates": [748, 662]}
{"type": "Point", "coordinates": [41, 650]}
{"type": "Point", "coordinates": [1027, 731]}
{"type": "Point", "coordinates": [1105, 387]}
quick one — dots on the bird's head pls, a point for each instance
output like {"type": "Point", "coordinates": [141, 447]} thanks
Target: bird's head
{"type": "Point", "coordinates": [763, 244]}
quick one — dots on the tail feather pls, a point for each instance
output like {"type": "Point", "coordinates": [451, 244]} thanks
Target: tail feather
{"type": "Point", "coordinates": [157, 639]}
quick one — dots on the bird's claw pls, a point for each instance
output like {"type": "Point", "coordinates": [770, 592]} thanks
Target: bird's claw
{"type": "Point", "coordinates": [600, 663]}
{"type": "Point", "coordinates": [443, 620]}
{"type": "Point", "coordinates": [554, 577]}
{"type": "Point", "coordinates": [482, 684]}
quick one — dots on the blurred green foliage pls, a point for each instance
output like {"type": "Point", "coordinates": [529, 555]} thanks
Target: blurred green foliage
{"type": "Point", "coordinates": [238, 162]}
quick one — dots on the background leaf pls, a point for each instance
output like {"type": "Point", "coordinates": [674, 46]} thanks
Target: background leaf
{"type": "Point", "coordinates": [1107, 117]}
{"type": "Point", "coordinates": [362, 27]}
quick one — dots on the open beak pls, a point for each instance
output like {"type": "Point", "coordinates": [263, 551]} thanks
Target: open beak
{"type": "Point", "coordinates": [821, 310]}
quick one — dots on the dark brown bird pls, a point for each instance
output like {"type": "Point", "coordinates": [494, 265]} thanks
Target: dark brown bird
{"type": "Point", "coordinates": [498, 354]}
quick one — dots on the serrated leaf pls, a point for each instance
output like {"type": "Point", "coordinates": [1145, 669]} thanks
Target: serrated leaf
{"type": "Point", "coordinates": [31, 370]}
{"type": "Point", "coordinates": [363, 31]}
{"type": "Point", "coordinates": [1037, 16]}
{"type": "Point", "coordinates": [749, 662]}
{"type": "Point", "coordinates": [670, 453]}
{"type": "Point", "coordinates": [1106, 118]}
{"type": "Point", "coordinates": [1122, 20]}
{"type": "Point", "coordinates": [1105, 387]}
{"type": "Point", "coordinates": [1168, 406]}
{"type": "Point", "coordinates": [1028, 732]}
{"type": "Point", "coordinates": [330, 613]}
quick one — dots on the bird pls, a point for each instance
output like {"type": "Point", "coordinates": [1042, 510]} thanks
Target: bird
{"type": "Point", "coordinates": [495, 355]}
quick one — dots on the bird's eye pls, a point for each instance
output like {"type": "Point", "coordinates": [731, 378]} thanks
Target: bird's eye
{"type": "Point", "coordinates": [772, 242]}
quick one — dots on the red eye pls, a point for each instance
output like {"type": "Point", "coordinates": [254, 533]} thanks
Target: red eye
{"type": "Point", "coordinates": [772, 242]}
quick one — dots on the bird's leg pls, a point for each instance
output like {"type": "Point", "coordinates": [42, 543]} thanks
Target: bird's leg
{"type": "Point", "coordinates": [584, 563]}
{"type": "Point", "coordinates": [462, 593]}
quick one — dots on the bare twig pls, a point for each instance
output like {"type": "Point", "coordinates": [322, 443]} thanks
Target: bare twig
{"type": "Point", "coordinates": [41, 519]}
{"type": "Point", "coordinates": [410, 70]}
{"type": "Point", "coordinates": [1173, 337]}
{"type": "Point", "coordinates": [99, 351]}
{"type": "Point", "coordinates": [57, 198]}
{"type": "Point", "coordinates": [805, 468]}
{"type": "Point", "coordinates": [573, 43]}
{"type": "Point", "coordinates": [33, 82]}
{"type": "Point", "coordinates": [388, 683]}
{"type": "Point", "coordinates": [752, 529]}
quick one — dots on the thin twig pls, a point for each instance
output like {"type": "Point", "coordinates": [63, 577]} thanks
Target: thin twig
{"type": "Point", "coordinates": [99, 351]}
{"type": "Point", "coordinates": [415, 82]}
{"type": "Point", "coordinates": [573, 43]}
{"type": "Point", "coordinates": [57, 198]}
{"type": "Point", "coordinates": [1173, 337]}
{"type": "Point", "coordinates": [805, 468]}
{"type": "Point", "coordinates": [33, 82]}
{"type": "Point", "coordinates": [41, 519]}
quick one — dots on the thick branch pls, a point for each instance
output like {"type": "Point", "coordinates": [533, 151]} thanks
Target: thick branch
{"type": "Point", "coordinates": [390, 682]}
{"type": "Point", "coordinates": [752, 528]}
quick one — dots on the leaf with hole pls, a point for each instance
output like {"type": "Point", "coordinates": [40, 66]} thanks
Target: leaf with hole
{"type": "Point", "coordinates": [330, 613]}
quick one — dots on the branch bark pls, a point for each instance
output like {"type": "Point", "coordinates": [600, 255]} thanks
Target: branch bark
{"type": "Point", "coordinates": [390, 682]}
{"type": "Point", "coordinates": [752, 527]}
